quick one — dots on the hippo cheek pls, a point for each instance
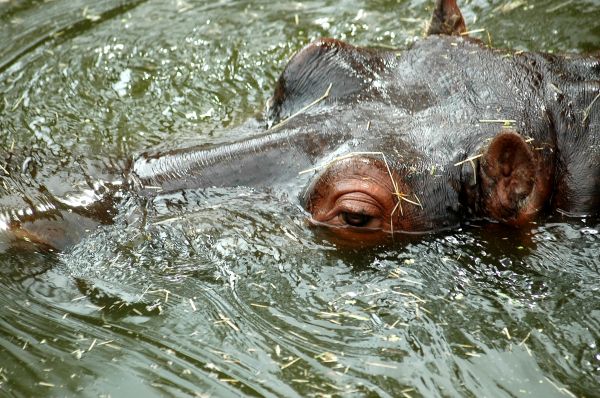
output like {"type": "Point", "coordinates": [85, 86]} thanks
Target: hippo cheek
{"type": "Point", "coordinates": [355, 202]}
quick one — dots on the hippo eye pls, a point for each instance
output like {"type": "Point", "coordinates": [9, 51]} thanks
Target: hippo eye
{"type": "Point", "coordinates": [356, 219]}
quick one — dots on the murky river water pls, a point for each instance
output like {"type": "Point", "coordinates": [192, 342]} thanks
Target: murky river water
{"type": "Point", "coordinates": [226, 292]}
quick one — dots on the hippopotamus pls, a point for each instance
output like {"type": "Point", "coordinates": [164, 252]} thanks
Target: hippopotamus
{"type": "Point", "coordinates": [376, 143]}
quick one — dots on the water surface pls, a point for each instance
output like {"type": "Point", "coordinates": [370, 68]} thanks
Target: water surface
{"type": "Point", "coordinates": [226, 292]}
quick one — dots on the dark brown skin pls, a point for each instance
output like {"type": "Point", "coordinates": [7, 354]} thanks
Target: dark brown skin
{"type": "Point", "coordinates": [402, 142]}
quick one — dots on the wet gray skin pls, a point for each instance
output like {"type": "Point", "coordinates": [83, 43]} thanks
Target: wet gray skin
{"type": "Point", "coordinates": [225, 290]}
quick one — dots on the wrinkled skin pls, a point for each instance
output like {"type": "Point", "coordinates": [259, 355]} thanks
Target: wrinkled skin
{"type": "Point", "coordinates": [410, 141]}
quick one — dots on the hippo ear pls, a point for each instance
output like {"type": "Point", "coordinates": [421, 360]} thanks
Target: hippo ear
{"type": "Point", "coordinates": [446, 19]}
{"type": "Point", "coordinates": [508, 175]}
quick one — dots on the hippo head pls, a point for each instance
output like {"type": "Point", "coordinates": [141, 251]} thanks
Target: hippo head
{"type": "Point", "coordinates": [424, 139]}
{"type": "Point", "coordinates": [368, 196]}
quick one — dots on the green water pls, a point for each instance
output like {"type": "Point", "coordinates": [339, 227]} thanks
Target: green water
{"type": "Point", "coordinates": [227, 292]}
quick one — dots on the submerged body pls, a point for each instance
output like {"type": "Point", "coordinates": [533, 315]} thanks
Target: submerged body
{"type": "Point", "coordinates": [375, 142]}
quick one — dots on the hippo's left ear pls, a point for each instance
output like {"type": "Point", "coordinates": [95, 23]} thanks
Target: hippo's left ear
{"type": "Point", "coordinates": [510, 188]}
{"type": "Point", "coordinates": [446, 19]}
